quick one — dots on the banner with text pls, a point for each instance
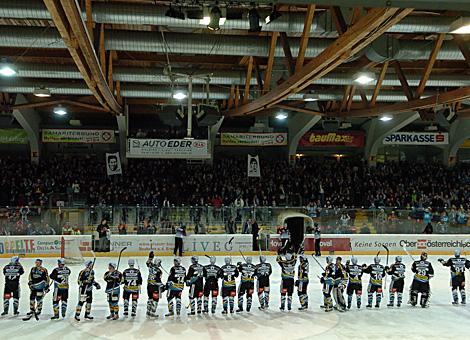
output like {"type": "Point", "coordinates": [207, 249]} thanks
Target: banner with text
{"type": "Point", "coordinates": [253, 139]}
{"type": "Point", "coordinates": [168, 148]}
{"type": "Point", "coordinates": [13, 136]}
{"type": "Point", "coordinates": [417, 138]}
{"type": "Point", "coordinates": [78, 136]}
{"type": "Point", "coordinates": [353, 139]}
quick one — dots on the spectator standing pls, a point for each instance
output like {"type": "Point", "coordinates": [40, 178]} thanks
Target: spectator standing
{"type": "Point", "coordinates": [317, 237]}
{"type": "Point", "coordinates": [102, 230]}
{"type": "Point", "coordinates": [122, 229]}
{"type": "Point", "coordinates": [231, 227]}
{"type": "Point", "coordinates": [246, 226]}
{"type": "Point", "coordinates": [428, 229]}
{"type": "Point", "coordinates": [255, 233]}
{"type": "Point", "coordinates": [67, 229]}
{"type": "Point", "coordinates": [180, 232]}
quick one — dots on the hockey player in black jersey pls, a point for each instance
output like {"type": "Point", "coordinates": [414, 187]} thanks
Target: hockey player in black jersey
{"type": "Point", "coordinates": [113, 279]}
{"type": "Point", "coordinates": [328, 282]}
{"type": "Point", "coordinates": [457, 266]}
{"type": "Point", "coordinates": [340, 281]}
{"type": "Point", "coordinates": [86, 282]}
{"type": "Point", "coordinates": [397, 272]}
{"type": "Point", "coordinates": [155, 287]}
{"type": "Point", "coordinates": [423, 273]}
{"type": "Point", "coordinates": [354, 283]}
{"type": "Point", "coordinates": [12, 273]}
{"type": "Point", "coordinates": [247, 283]}
{"type": "Point", "coordinates": [228, 273]}
{"type": "Point", "coordinates": [376, 272]}
{"type": "Point", "coordinates": [195, 281]}
{"type": "Point", "coordinates": [175, 286]}
{"type": "Point", "coordinates": [302, 282]}
{"type": "Point", "coordinates": [39, 285]}
{"type": "Point", "coordinates": [287, 265]}
{"type": "Point", "coordinates": [132, 280]}
{"type": "Point", "coordinates": [263, 272]}
{"type": "Point", "coordinates": [211, 286]}
{"type": "Point", "coordinates": [60, 276]}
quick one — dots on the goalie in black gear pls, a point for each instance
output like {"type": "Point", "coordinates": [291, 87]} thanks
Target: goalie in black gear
{"type": "Point", "coordinates": [340, 282]}
{"type": "Point", "coordinates": [328, 282]}
{"type": "Point", "coordinates": [354, 283]}
{"type": "Point", "coordinates": [195, 282]}
{"type": "Point", "coordinates": [263, 272]}
{"type": "Point", "coordinates": [228, 273]}
{"type": "Point", "coordinates": [86, 282]}
{"type": "Point", "coordinates": [457, 265]}
{"type": "Point", "coordinates": [155, 287]}
{"type": "Point", "coordinates": [397, 272]}
{"type": "Point", "coordinates": [287, 279]}
{"type": "Point", "coordinates": [423, 273]}
{"type": "Point", "coordinates": [175, 286]}
{"type": "Point", "coordinates": [12, 273]}
{"type": "Point", "coordinates": [132, 280]}
{"type": "Point", "coordinates": [376, 272]}
{"type": "Point", "coordinates": [39, 285]}
{"type": "Point", "coordinates": [113, 279]}
{"type": "Point", "coordinates": [211, 286]}
{"type": "Point", "coordinates": [60, 275]}
{"type": "Point", "coordinates": [302, 282]}
{"type": "Point", "coordinates": [247, 283]}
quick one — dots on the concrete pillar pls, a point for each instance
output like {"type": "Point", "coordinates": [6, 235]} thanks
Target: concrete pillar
{"type": "Point", "coordinates": [122, 121]}
{"type": "Point", "coordinates": [29, 121]}
{"type": "Point", "coordinates": [377, 130]}
{"type": "Point", "coordinates": [299, 125]}
{"type": "Point", "coordinates": [213, 130]}
{"type": "Point", "coordinates": [459, 132]}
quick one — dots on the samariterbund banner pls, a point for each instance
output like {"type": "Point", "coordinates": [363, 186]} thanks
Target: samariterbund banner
{"type": "Point", "coordinates": [339, 138]}
{"type": "Point", "coordinates": [168, 148]}
{"type": "Point", "coordinates": [77, 136]}
{"type": "Point", "coordinates": [253, 139]}
{"type": "Point", "coordinates": [417, 138]}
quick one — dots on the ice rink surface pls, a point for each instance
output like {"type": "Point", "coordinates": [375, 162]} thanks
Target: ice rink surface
{"type": "Point", "coordinates": [440, 321]}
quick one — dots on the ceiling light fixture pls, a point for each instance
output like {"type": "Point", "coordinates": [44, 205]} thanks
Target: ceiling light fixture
{"type": "Point", "coordinates": [60, 110]}
{"type": "Point", "coordinates": [215, 19]}
{"type": "Point", "coordinates": [179, 95]}
{"type": "Point", "coordinates": [7, 69]}
{"type": "Point", "coordinates": [460, 26]}
{"type": "Point", "coordinates": [272, 16]}
{"type": "Point", "coordinates": [385, 117]}
{"type": "Point", "coordinates": [42, 92]}
{"type": "Point", "coordinates": [281, 116]}
{"type": "Point", "coordinates": [364, 77]}
{"type": "Point", "coordinates": [311, 97]}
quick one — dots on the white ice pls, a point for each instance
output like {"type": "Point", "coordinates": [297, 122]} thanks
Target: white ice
{"type": "Point", "coordinates": [440, 321]}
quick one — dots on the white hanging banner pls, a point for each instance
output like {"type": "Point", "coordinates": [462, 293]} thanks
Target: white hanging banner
{"type": "Point", "coordinates": [113, 164]}
{"type": "Point", "coordinates": [168, 148]}
{"type": "Point", "coordinates": [253, 166]}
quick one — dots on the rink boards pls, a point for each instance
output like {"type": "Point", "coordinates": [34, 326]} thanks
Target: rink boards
{"type": "Point", "coordinates": [140, 245]}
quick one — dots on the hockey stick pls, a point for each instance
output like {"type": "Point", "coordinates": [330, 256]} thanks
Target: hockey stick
{"type": "Point", "coordinates": [207, 256]}
{"type": "Point", "coordinates": [318, 262]}
{"type": "Point", "coordinates": [244, 259]}
{"type": "Point", "coordinates": [386, 264]}
{"type": "Point", "coordinates": [119, 259]}
{"type": "Point", "coordinates": [407, 253]}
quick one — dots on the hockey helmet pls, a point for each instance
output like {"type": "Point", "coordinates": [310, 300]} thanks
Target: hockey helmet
{"type": "Point", "coordinates": [194, 259]}
{"type": "Point", "coordinates": [457, 252]}
{"type": "Point", "coordinates": [424, 256]}
{"type": "Point", "coordinates": [15, 259]}
{"type": "Point", "coordinates": [177, 261]}
{"type": "Point", "coordinates": [398, 259]}
{"type": "Point", "coordinates": [112, 265]}
{"type": "Point", "coordinates": [302, 257]}
{"type": "Point", "coordinates": [212, 259]}
{"type": "Point", "coordinates": [329, 260]}
{"type": "Point", "coordinates": [228, 260]}
{"type": "Point", "coordinates": [249, 260]}
{"type": "Point", "coordinates": [131, 262]}
{"type": "Point", "coordinates": [157, 262]}
{"type": "Point", "coordinates": [354, 260]}
{"type": "Point", "coordinates": [88, 263]}
{"type": "Point", "coordinates": [376, 260]}
{"type": "Point", "coordinates": [61, 262]}
{"type": "Point", "coordinates": [262, 259]}
{"type": "Point", "coordinates": [288, 256]}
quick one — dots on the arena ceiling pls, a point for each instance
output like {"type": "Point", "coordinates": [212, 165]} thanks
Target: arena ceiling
{"type": "Point", "coordinates": [98, 56]}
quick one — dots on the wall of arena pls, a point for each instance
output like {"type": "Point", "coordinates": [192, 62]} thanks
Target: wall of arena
{"type": "Point", "coordinates": [140, 245]}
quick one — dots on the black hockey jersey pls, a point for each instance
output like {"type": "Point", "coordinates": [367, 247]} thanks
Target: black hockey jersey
{"type": "Point", "coordinates": [195, 274]}
{"type": "Point", "coordinates": [287, 267]}
{"type": "Point", "coordinates": [113, 280]}
{"type": "Point", "coordinates": [423, 270]}
{"type": "Point", "coordinates": [355, 273]}
{"type": "Point", "coordinates": [60, 276]}
{"type": "Point", "coordinates": [211, 273]}
{"type": "Point", "coordinates": [13, 272]}
{"type": "Point", "coordinates": [229, 273]}
{"type": "Point", "coordinates": [397, 271]}
{"type": "Point", "coordinates": [376, 272]}
{"type": "Point", "coordinates": [247, 272]}
{"type": "Point", "coordinates": [457, 266]}
{"type": "Point", "coordinates": [263, 270]}
{"type": "Point", "coordinates": [131, 279]}
{"type": "Point", "coordinates": [155, 274]}
{"type": "Point", "coordinates": [38, 278]}
{"type": "Point", "coordinates": [176, 278]}
{"type": "Point", "coordinates": [86, 278]}
{"type": "Point", "coordinates": [302, 271]}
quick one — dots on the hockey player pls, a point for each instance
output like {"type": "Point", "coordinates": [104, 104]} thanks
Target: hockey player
{"type": "Point", "coordinates": [327, 280]}
{"type": "Point", "coordinates": [12, 272]}
{"type": "Point", "coordinates": [113, 279]}
{"type": "Point", "coordinates": [132, 280]}
{"type": "Point", "coordinates": [195, 281]}
{"type": "Point", "coordinates": [302, 282]}
{"type": "Point", "coordinates": [340, 280]}
{"type": "Point", "coordinates": [397, 272]}
{"type": "Point", "coordinates": [376, 272]}
{"type": "Point", "coordinates": [457, 266]}
{"type": "Point", "coordinates": [60, 276]}
{"type": "Point", "coordinates": [86, 282]}
{"type": "Point", "coordinates": [228, 273]}
{"type": "Point", "coordinates": [287, 279]}
{"type": "Point", "coordinates": [247, 283]}
{"type": "Point", "coordinates": [211, 287]}
{"type": "Point", "coordinates": [39, 285]}
{"type": "Point", "coordinates": [175, 286]}
{"type": "Point", "coordinates": [423, 273]}
{"type": "Point", "coordinates": [355, 282]}
{"type": "Point", "coordinates": [155, 286]}
{"type": "Point", "coordinates": [262, 273]}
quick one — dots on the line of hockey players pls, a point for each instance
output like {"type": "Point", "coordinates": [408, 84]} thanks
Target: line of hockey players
{"type": "Point", "coordinates": [203, 283]}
